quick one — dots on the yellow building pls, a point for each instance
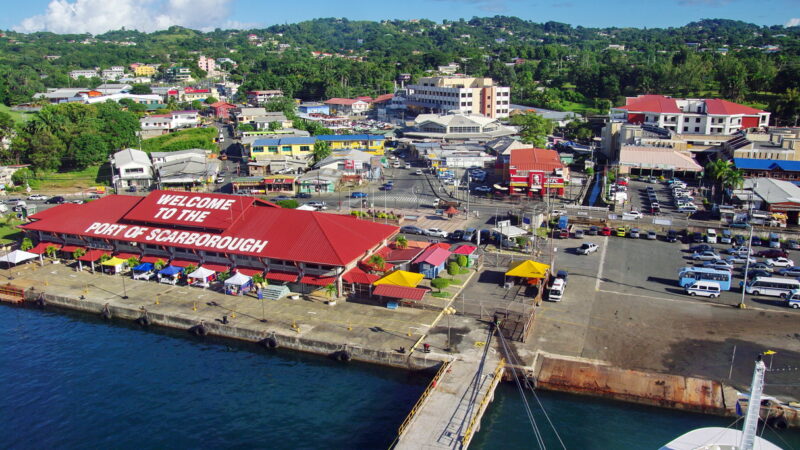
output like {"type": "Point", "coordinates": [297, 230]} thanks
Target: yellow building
{"type": "Point", "coordinates": [144, 71]}
{"type": "Point", "coordinates": [294, 146]}
{"type": "Point", "coordinates": [370, 143]}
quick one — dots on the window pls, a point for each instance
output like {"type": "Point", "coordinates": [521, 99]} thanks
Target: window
{"type": "Point", "coordinates": [136, 170]}
{"type": "Point", "coordinates": [697, 120]}
{"type": "Point", "coordinates": [696, 129]}
{"type": "Point", "coordinates": [305, 148]}
{"type": "Point", "coordinates": [685, 128]}
{"type": "Point", "coordinates": [286, 148]}
{"type": "Point", "coordinates": [273, 149]}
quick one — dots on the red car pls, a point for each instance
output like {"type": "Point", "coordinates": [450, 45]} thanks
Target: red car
{"type": "Point", "coordinates": [605, 231]}
{"type": "Point", "coordinates": [622, 182]}
{"type": "Point", "coordinates": [772, 253]}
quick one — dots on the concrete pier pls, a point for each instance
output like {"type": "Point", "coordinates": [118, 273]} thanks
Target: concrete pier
{"type": "Point", "coordinates": [450, 415]}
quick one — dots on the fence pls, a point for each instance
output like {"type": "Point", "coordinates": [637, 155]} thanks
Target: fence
{"type": "Point", "coordinates": [465, 440]}
{"type": "Point", "coordinates": [431, 386]}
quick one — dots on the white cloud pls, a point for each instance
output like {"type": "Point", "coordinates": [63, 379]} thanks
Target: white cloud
{"type": "Point", "coordinates": [794, 22]}
{"type": "Point", "coordinates": [99, 16]}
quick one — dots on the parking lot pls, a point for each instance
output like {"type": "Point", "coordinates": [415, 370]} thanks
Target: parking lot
{"type": "Point", "coordinates": [638, 198]}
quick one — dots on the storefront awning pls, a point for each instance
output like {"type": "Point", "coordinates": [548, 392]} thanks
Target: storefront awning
{"type": "Point", "coordinates": [318, 281]}
{"type": "Point", "coordinates": [41, 247]}
{"type": "Point", "coordinates": [71, 248]}
{"type": "Point", "coordinates": [277, 275]}
{"type": "Point", "coordinates": [400, 292]}
{"type": "Point", "coordinates": [153, 259]}
{"type": "Point", "coordinates": [93, 255]}
{"type": "Point", "coordinates": [143, 267]}
{"type": "Point", "coordinates": [249, 272]}
{"type": "Point", "coordinates": [126, 255]}
{"type": "Point", "coordinates": [527, 269]}
{"type": "Point", "coordinates": [358, 276]}
{"type": "Point", "coordinates": [217, 267]}
{"type": "Point", "coordinates": [183, 263]}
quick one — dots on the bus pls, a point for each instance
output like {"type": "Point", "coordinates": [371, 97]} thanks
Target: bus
{"type": "Point", "coordinates": [688, 275]}
{"type": "Point", "coordinates": [772, 286]}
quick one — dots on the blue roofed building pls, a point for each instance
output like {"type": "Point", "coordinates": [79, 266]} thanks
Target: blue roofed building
{"type": "Point", "coordinates": [314, 108]}
{"type": "Point", "coordinates": [769, 168]}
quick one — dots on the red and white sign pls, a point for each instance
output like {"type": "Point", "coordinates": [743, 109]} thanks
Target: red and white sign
{"type": "Point", "coordinates": [189, 209]}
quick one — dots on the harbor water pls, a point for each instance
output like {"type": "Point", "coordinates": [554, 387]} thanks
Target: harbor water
{"type": "Point", "coordinates": [73, 381]}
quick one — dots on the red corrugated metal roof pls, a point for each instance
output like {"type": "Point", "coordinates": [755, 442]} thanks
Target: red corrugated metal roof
{"type": "Point", "coordinates": [183, 263]}
{"type": "Point", "coordinates": [93, 255]}
{"type": "Point", "coordinates": [433, 255]}
{"type": "Point", "coordinates": [340, 101]}
{"type": "Point", "coordinates": [724, 107]}
{"type": "Point", "coordinates": [356, 275]}
{"type": "Point", "coordinates": [126, 255]}
{"type": "Point", "coordinates": [248, 271]}
{"type": "Point", "coordinates": [383, 98]}
{"type": "Point", "coordinates": [41, 247]}
{"type": "Point", "coordinates": [277, 275]}
{"type": "Point", "coordinates": [317, 281]}
{"type": "Point", "coordinates": [70, 248]}
{"type": "Point", "coordinates": [216, 267]}
{"type": "Point", "coordinates": [651, 103]}
{"type": "Point", "coordinates": [402, 254]}
{"type": "Point", "coordinates": [465, 250]}
{"type": "Point", "coordinates": [153, 259]}
{"type": "Point", "coordinates": [401, 292]}
{"type": "Point", "coordinates": [316, 237]}
{"type": "Point", "coordinates": [535, 159]}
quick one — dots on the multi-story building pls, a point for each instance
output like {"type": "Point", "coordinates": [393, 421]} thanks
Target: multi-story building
{"type": "Point", "coordinates": [460, 94]}
{"type": "Point", "coordinates": [144, 70]}
{"type": "Point", "coordinates": [75, 74]}
{"type": "Point", "coordinates": [347, 106]}
{"type": "Point", "coordinates": [371, 143]}
{"type": "Point", "coordinates": [191, 94]}
{"type": "Point", "coordinates": [256, 98]}
{"type": "Point", "coordinates": [285, 147]}
{"type": "Point", "coordinates": [690, 115]}
{"type": "Point", "coordinates": [114, 73]}
{"type": "Point", "coordinates": [535, 172]}
{"type": "Point", "coordinates": [179, 73]}
{"type": "Point", "coordinates": [207, 64]}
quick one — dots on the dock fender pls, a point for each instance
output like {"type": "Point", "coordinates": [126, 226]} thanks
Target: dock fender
{"type": "Point", "coordinates": [779, 423]}
{"type": "Point", "coordinates": [199, 330]}
{"type": "Point", "coordinates": [144, 320]}
{"type": "Point", "coordinates": [343, 356]}
{"type": "Point", "coordinates": [40, 301]}
{"type": "Point", "coordinates": [269, 342]}
{"type": "Point", "coordinates": [106, 312]}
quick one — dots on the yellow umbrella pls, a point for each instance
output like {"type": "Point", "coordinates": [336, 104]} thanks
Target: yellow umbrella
{"type": "Point", "coordinates": [401, 278]}
{"type": "Point", "coordinates": [527, 269]}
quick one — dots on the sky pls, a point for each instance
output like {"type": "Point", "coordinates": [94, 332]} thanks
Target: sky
{"type": "Point", "coordinates": [98, 16]}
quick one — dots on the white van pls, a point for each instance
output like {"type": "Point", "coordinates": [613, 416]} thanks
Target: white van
{"type": "Point", "coordinates": [556, 290]}
{"type": "Point", "coordinates": [711, 236]}
{"type": "Point", "coordinates": [793, 301]}
{"type": "Point", "coordinates": [772, 286]}
{"type": "Point", "coordinates": [703, 289]}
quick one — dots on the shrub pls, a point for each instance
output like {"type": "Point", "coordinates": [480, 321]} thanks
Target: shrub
{"type": "Point", "coordinates": [452, 268]}
{"type": "Point", "coordinates": [440, 283]}
{"type": "Point", "coordinates": [288, 204]}
{"type": "Point", "coordinates": [27, 244]}
{"type": "Point", "coordinates": [462, 260]}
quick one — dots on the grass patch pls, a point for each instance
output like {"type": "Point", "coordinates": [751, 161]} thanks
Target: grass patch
{"type": "Point", "coordinates": [463, 271]}
{"type": "Point", "coordinates": [82, 179]}
{"type": "Point", "coordinates": [8, 230]}
{"type": "Point", "coordinates": [182, 140]}
{"type": "Point", "coordinates": [19, 117]}
{"type": "Point", "coordinates": [455, 281]}
{"type": "Point", "coordinates": [441, 294]}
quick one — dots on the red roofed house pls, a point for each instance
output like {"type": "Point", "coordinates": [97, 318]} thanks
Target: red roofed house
{"type": "Point", "coordinates": [222, 110]}
{"type": "Point", "coordinates": [536, 172]}
{"type": "Point", "coordinates": [690, 115]}
{"type": "Point", "coordinates": [431, 261]}
{"type": "Point", "coordinates": [347, 106]}
{"type": "Point", "coordinates": [306, 249]}
{"type": "Point", "coordinates": [191, 94]}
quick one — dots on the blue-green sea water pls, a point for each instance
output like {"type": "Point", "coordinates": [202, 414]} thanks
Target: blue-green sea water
{"type": "Point", "coordinates": [73, 381]}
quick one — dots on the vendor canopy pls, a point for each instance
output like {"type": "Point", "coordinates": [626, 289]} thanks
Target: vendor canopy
{"type": "Point", "coordinates": [261, 231]}
{"type": "Point", "coordinates": [401, 278]}
{"type": "Point", "coordinates": [527, 269]}
{"type": "Point", "coordinates": [114, 262]}
{"type": "Point", "coordinates": [17, 256]}
{"type": "Point", "coordinates": [239, 279]}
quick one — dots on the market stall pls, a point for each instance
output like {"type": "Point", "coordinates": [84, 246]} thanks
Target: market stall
{"type": "Point", "coordinates": [143, 271]}
{"type": "Point", "coordinates": [238, 284]}
{"type": "Point", "coordinates": [114, 265]}
{"type": "Point", "coordinates": [170, 275]}
{"type": "Point", "coordinates": [201, 277]}
{"type": "Point", "coordinates": [16, 257]}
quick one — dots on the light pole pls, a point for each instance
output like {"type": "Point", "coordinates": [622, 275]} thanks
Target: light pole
{"type": "Point", "coordinates": [742, 305]}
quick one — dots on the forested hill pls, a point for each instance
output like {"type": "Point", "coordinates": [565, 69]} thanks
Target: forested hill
{"type": "Point", "coordinates": [548, 64]}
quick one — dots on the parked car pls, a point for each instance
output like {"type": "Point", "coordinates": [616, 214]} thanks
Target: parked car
{"type": "Point", "coordinates": [756, 241]}
{"type": "Point", "coordinates": [436, 232]}
{"type": "Point", "coordinates": [358, 194]}
{"type": "Point", "coordinates": [707, 255]}
{"type": "Point", "coordinates": [587, 247]}
{"type": "Point", "coordinates": [779, 262]}
{"type": "Point", "coordinates": [411, 229]}
{"type": "Point", "coordinates": [792, 244]}
{"type": "Point", "coordinates": [605, 231]}
{"type": "Point", "coordinates": [633, 215]}
{"type": "Point", "coordinates": [593, 230]}
{"type": "Point", "coordinates": [418, 172]}
{"type": "Point", "coordinates": [761, 266]}
{"type": "Point", "coordinates": [469, 234]}
{"type": "Point", "coordinates": [578, 234]}
{"type": "Point", "coordinates": [622, 231]}
{"type": "Point", "coordinates": [697, 237]}
{"type": "Point", "coordinates": [634, 233]}
{"type": "Point", "coordinates": [37, 197]}
{"type": "Point", "coordinates": [483, 189]}
{"type": "Point", "coordinates": [719, 264]}
{"type": "Point", "coordinates": [701, 248]}
{"type": "Point", "coordinates": [739, 259]}
{"type": "Point", "coordinates": [790, 271]}
{"type": "Point", "coordinates": [57, 200]}
{"type": "Point", "coordinates": [456, 235]}
{"type": "Point", "coordinates": [755, 273]}
{"type": "Point", "coordinates": [302, 195]}
{"type": "Point", "coordinates": [651, 235]}
{"type": "Point", "coordinates": [772, 253]}
{"type": "Point", "coordinates": [318, 205]}
{"type": "Point", "coordinates": [672, 236]}
{"type": "Point", "coordinates": [739, 240]}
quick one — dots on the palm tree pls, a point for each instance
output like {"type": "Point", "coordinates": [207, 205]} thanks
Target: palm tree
{"type": "Point", "coordinates": [377, 261]}
{"type": "Point", "coordinates": [330, 290]}
{"type": "Point", "coordinates": [716, 170]}
{"type": "Point", "coordinates": [27, 244]}
{"type": "Point", "coordinates": [401, 242]}
{"type": "Point", "coordinates": [734, 179]}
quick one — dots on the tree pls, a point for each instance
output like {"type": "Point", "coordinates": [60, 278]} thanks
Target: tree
{"type": "Point", "coordinates": [285, 105]}
{"type": "Point", "coordinates": [786, 108]}
{"type": "Point", "coordinates": [26, 245]}
{"type": "Point", "coordinates": [159, 264]}
{"type": "Point", "coordinates": [462, 260]}
{"type": "Point", "coordinates": [211, 99]}
{"type": "Point", "coordinates": [321, 151]}
{"type": "Point", "coordinates": [133, 261]}
{"type": "Point", "coordinates": [288, 204]}
{"type": "Point", "coordinates": [452, 268]}
{"type": "Point", "coordinates": [330, 290]}
{"type": "Point", "coordinates": [6, 126]}
{"type": "Point", "coordinates": [78, 253]}
{"type": "Point", "coordinates": [377, 261]}
{"type": "Point", "coordinates": [245, 127]}
{"type": "Point", "coordinates": [401, 242]}
{"type": "Point", "coordinates": [717, 170]}
{"type": "Point", "coordinates": [534, 128]}
{"type": "Point", "coordinates": [440, 283]}
{"type": "Point", "coordinates": [140, 89]}
{"type": "Point", "coordinates": [275, 126]}
{"type": "Point", "coordinates": [50, 251]}
{"type": "Point", "coordinates": [90, 149]}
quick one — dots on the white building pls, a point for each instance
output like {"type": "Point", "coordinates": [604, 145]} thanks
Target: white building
{"type": "Point", "coordinates": [114, 73]}
{"type": "Point", "coordinates": [131, 167]}
{"type": "Point", "coordinates": [75, 74]}
{"type": "Point", "coordinates": [466, 95]}
{"type": "Point", "coordinates": [690, 115]}
{"type": "Point", "coordinates": [261, 97]}
{"type": "Point", "coordinates": [457, 127]}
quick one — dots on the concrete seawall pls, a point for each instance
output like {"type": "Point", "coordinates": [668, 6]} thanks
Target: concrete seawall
{"type": "Point", "coordinates": [243, 333]}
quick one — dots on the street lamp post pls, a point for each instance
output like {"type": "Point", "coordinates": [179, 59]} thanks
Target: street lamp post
{"type": "Point", "coordinates": [742, 305]}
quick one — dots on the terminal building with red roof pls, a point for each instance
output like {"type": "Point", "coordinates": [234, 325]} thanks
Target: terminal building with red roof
{"type": "Point", "coordinates": [535, 172]}
{"type": "Point", "coordinates": [690, 115]}
{"type": "Point", "coordinates": [221, 232]}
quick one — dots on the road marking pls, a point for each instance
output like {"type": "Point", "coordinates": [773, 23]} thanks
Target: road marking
{"type": "Point", "coordinates": [695, 302]}
{"type": "Point", "coordinates": [602, 262]}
